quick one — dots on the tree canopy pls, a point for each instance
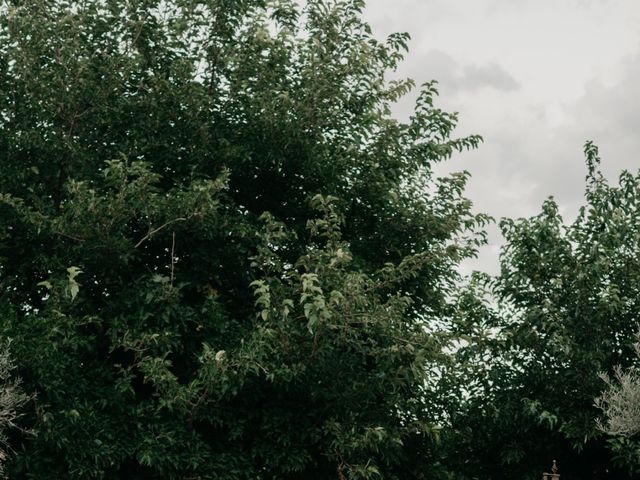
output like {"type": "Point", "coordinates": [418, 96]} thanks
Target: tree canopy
{"type": "Point", "coordinates": [220, 255]}
{"type": "Point", "coordinates": [563, 311]}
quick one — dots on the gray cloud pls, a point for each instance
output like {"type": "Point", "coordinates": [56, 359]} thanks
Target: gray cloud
{"type": "Point", "coordinates": [610, 116]}
{"type": "Point", "coordinates": [491, 75]}
{"type": "Point", "coordinates": [535, 97]}
{"type": "Point", "coordinates": [615, 107]}
{"type": "Point", "coordinates": [526, 160]}
{"type": "Point", "coordinates": [436, 64]}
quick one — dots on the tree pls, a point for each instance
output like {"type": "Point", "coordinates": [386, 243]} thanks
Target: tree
{"type": "Point", "coordinates": [220, 257]}
{"type": "Point", "coordinates": [620, 402]}
{"type": "Point", "coordinates": [620, 405]}
{"type": "Point", "coordinates": [564, 308]}
{"type": "Point", "coordinates": [12, 399]}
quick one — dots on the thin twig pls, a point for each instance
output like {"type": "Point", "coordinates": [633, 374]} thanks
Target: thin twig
{"type": "Point", "coordinates": [150, 233]}
{"type": "Point", "coordinates": [71, 237]}
{"type": "Point", "coordinates": [173, 258]}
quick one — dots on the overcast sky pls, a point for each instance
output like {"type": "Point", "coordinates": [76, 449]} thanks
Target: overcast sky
{"type": "Point", "coordinates": [536, 78]}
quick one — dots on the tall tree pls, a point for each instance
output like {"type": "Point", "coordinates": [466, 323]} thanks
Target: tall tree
{"type": "Point", "coordinates": [220, 257]}
{"type": "Point", "coordinates": [564, 308]}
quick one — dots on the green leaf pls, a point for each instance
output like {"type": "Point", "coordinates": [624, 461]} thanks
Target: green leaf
{"type": "Point", "coordinates": [73, 287]}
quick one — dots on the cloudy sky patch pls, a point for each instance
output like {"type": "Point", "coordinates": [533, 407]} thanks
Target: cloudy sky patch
{"type": "Point", "coordinates": [536, 79]}
{"type": "Point", "coordinates": [456, 76]}
{"type": "Point", "coordinates": [491, 75]}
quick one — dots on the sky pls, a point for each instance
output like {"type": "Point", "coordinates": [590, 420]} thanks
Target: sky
{"type": "Point", "coordinates": [535, 78]}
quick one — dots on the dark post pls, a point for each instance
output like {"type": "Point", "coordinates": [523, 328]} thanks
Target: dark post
{"type": "Point", "coordinates": [554, 475]}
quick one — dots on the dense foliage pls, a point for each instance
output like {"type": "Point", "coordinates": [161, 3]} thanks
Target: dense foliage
{"type": "Point", "coordinates": [220, 257]}
{"type": "Point", "coordinates": [620, 403]}
{"type": "Point", "coordinates": [563, 311]}
{"type": "Point", "coordinates": [12, 399]}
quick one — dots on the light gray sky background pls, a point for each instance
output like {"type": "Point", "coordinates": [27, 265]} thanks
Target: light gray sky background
{"type": "Point", "coordinates": [536, 78]}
